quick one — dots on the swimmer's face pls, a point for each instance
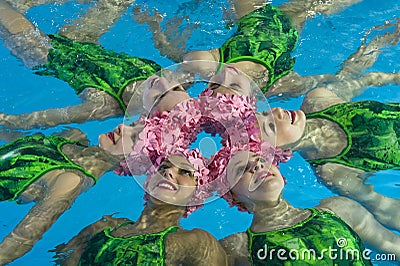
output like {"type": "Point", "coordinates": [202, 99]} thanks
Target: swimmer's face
{"type": "Point", "coordinates": [231, 80]}
{"type": "Point", "coordinates": [120, 140]}
{"type": "Point", "coordinates": [252, 179]}
{"type": "Point", "coordinates": [173, 183]}
{"type": "Point", "coordinates": [281, 127]}
{"type": "Point", "coordinates": [162, 95]}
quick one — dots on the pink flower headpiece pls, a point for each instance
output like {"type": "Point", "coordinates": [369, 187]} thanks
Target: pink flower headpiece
{"type": "Point", "coordinates": [168, 133]}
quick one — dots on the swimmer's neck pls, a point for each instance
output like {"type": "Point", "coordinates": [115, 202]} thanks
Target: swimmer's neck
{"type": "Point", "coordinates": [321, 139]}
{"type": "Point", "coordinates": [132, 93]}
{"type": "Point", "coordinates": [273, 217]}
{"type": "Point", "coordinates": [305, 143]}
{"type": "Point", "coordinates": [157, 217]}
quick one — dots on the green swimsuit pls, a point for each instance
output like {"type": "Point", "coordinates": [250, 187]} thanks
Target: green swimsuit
{"type": "Point", "coordinates": [146, 249]}
{"type": "Point", "coordinates": [85, 65]}
{"type": "Point", "coordinates": [265, 36]}
{"type": "Point", "coordinates": [26, 159]}
{"type": "Point", "coordinates": [321, 239]}
{"type": "Point", "coordinates": [373, 134]}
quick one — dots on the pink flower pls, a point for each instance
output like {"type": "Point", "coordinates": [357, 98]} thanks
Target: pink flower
{"type": "Point", "coordinates": [169, 133]}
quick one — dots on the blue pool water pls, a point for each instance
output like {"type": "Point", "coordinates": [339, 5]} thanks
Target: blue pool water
{"type": "Point", "coordinates": [324, 43]}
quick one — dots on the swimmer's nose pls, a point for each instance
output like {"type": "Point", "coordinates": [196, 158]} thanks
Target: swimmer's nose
{"type": "Point", "coordinates": [259, 166]}
{"type": "Point", "coordinates": [167, 174]}
{"type": "Point", "coordinates": [119, 129]}
{"type": "Point", "coordinates": [278, 113]}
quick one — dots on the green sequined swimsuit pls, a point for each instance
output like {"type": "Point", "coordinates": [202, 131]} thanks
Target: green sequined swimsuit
{"type": "Point", "coordinates": [26, 159]}
{"type": "Point", "coordinates": [310, 242]}
{"type": "Point", "coordinates": [373, 134]}
{"type": "Point", "coordinates": [265, 36]}
{"type": "Point", "coordinates": [146, 249]}
{"type": "Point", "coordinates": [85, 65]}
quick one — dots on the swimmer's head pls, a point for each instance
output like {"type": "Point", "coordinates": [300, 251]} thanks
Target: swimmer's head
{"type": "Point", "coordinates": [253, 180]}
{"type": "Point", "coordinates": [282, 127]}
{"type": "Point", "coordinates": [230, 80]}
{"type": "Point", "coordinates": [121, 140]}
{"type": "Point", "coordinates": [181, 179]}
{"type": "Point", "coordinates": [173, 183]}
{"type": "Point", "coordinates": [162, 95]}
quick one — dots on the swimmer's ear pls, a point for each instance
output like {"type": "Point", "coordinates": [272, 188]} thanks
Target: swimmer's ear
{"type": "Point", "coordinates": [72, 133]}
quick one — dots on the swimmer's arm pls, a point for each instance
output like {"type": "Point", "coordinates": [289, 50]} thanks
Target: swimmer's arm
{"type": "Point", "coordinates": [301, 10]}
{"type": "Point", "coordinates": [169, 42]}
{"type": "Point", "coordinates": [241, 8]}
{"type": "Point", "coordinates": [88, 110]}
{"type": "Point", "coordinates": [344, 90]}
{"type": "Point", "coordinates": [10, 135]}
{"type": "Point", "coordinates": [41, 217]}
{"type": "Point", "coordinates": [351, 81]}
{"type": "Point", "coordinates": [23, 6]}
{"type": "Point", "coordinates": [89, 28]}
{"type": "Point", "coordinates": [294, 85]}
{"type": "Point", "coordinates": [349, 88]}
{"type": "Point", "coordinates": [71, 252]}
{"type": "Point", "coordinates": [319, 99]}
{"type": "Point", "coordinates": [348, 83]}
{"type": "Point", "coordinates": [364, 224]}
{"type": "Point", "coordinates": [194, 247]}
{"type": "Point", "coordinates": [367, 54]}
{"type": "Point", "coordinates": [236, 249]}
{"type": "Point", "coordinates": [21, 37]}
